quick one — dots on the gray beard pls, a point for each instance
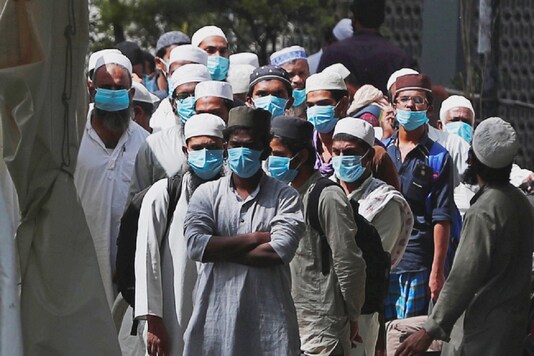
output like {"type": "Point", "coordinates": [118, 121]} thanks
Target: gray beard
{"type": "Point", "coordinates": [116, 121]}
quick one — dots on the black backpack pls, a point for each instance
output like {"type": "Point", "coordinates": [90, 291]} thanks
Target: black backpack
{"type": "Point", "coordinates": [127, 239]}
{"type": "Point", "coordinates": [368, 240]}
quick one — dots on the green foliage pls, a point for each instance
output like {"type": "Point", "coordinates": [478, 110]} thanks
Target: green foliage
{"type": "Point", "coordinates": [262, 26]}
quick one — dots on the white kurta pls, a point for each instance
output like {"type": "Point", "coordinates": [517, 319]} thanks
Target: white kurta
{"type": "Point", "coordinates": [163, 118]}
{"type": "Point", "coordinates": [164, 275]}
{"type": "Point", "coordinates": [102, 179]}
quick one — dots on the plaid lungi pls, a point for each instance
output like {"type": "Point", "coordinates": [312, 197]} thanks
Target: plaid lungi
{"type": "Point", "coordinates": [408, 295]}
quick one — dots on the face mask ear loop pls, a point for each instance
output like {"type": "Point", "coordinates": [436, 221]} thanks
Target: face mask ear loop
{"type": "Point", "coordinates": [300, 164]}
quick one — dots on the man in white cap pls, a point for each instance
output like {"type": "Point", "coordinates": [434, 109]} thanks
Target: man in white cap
{"type": "Point", "coordinates": [92, 62]}
{"type": "Point", "coordinates": [162, 156]}
{"type": "Point", "coordinates": [490, 278]}
{"type": "Point", "coordinates": [239, 78]}
{"type": "Point", "coordinates": [144, 103]}
{"type": "Point", "coordinates": [294, 61]}
{"type": "Point", "coordinates": [180, 55]}
{"type": "Point", "coordinates": [327, 100]}
{"type": "Point", "coordinates": [214, 97]}
{"type": "Point", "coordinates": [350, 80]}
{"type": "Point", "coordinates": [106, 158]}
{"type": "Point", "coordinates": [213, 40]}
{"type": "Point", "coordinates": [381, 204]}
{"type": "Point", "coordinates": [164, 276]}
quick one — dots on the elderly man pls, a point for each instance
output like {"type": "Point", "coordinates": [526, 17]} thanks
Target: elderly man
{"type": "Point", "coordinates": [213, 40]}
{"type": "Point", "coordinates": [294, 60]}
{"type": "Point", "coordinates": [165, 277]}
{"type": "Point", "coordinates": [425, 169]}
{"type": "Point", "coordinates": [162, 156]}
{"type": "Point", "coordinates": [214, 97]}
{"type": "Point", "coordinates": [381, 204]}
{"type": "Point", "coordinates": [328, 301]}
{"type": "Point", "coordinates": [327, 100]}
{"type": "Point", "coordinates": [490, 278]}
{"type": "Point", "coordinates": [244, 228]}
{"type": "Point", "coordinates": [179, 56]}
{"type": "Point", "coordinates": [270, 89]}
{"type": "Point", "coordinates": [106, 158]}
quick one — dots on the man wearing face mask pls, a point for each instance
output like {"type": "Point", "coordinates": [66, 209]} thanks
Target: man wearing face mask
{"type": "Point", "coordinates": [245, 229]}
{"type": "Point", "coordinates": [213, 40]}
{"type": "Point", "coordinates": [106, 158]}
{"type": "Point", "coordinates": [165, 276]}
{"type": "Point", "coordinates": [162, 156]}
{"type": "Point", "coordinates": [328, 305]}
{"type": "Point", "coordinates": [295, 62]}
{"type": "Point", "coordinates": [214, 97]}
{"type": "Point", "coordinates": [425, 169]}
{"type": "Point", "coordinates": [270, 89]}
{"type": "Point", "coordinates": [381, 204]}
{"type": "Point", "coordinates": [327, 100]}
{"type": "Point", "coordinates": [164, 117]}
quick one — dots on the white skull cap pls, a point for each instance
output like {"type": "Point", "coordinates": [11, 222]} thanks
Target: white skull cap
{"type": "Point", "coordinates": [204, 125]}
{"type": "Point", "coordinates": [325, 81]}
{"type": "Point", "coordinates": [205, 32]}
{"type": "Point", "coordinates": [454, 101]}
{"type": "Point", "coordinates": [214, 88]}
{"type": "Point", "coordinates": [356, 127]}
{"type": "Point", "coordinates": [495, 143]}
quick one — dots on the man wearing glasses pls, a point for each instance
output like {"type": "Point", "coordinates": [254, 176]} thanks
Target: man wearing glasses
{"type": "Point", "coordinates": [425, 171]}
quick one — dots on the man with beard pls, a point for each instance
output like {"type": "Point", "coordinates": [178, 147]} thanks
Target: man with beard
{"type": "Point", "coordinates": [164, 275]}
{"type": "Point", "coordinates": [490, 277]}
{"type": "Point", "coordinates": [106, 158]}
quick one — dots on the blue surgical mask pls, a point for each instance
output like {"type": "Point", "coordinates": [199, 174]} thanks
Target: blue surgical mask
{"type": "Point", "coordinates": [112, 100]}
{"type": "Point", "coordinates": [460, 128]}
{"type": "Point", "coordinates": [185, 108]}
{"type": "Point", "coordinates": [411, 120]}
{"type": "Point", "coordinates": [243, 161]}
{"type": "Point", "coordinates": [218, 67]}
{"type": "Point", "coordinates": [275, 105]}
{"type": "Point", "coordinates": [279, 169]}
{"type": "Point", "coordinates": [322, 117]}
{"type": "Point", "coordinates": [348, 168]}
{"type": "Point", "coordinates": [299, 96]}
{"type": "Point", "coordinates": [205, 163]}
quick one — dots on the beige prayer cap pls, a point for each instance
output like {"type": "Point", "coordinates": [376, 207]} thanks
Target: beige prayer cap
{"type": "Point", "coordinates": [495, 143]}
{"type": "Point", "coordinates": [356, 127]}
{"type": "Point", "coordinates": [325, 81]}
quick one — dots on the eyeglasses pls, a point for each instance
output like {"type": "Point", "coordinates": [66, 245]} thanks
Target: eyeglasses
{"type": "Point", "coordinates": [417, 100]}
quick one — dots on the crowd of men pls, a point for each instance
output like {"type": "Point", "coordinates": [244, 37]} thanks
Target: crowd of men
{"type": "Point", "coordinates": [261, 189]}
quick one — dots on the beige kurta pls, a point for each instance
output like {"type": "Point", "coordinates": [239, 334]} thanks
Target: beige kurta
{"type": "Point", "coordinates": [490, 277]}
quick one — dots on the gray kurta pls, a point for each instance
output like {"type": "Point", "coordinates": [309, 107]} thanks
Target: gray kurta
{"type": "Point", "coordinates": [325, 304]}
{"type": "Point", "coordinates": [241, 310]}
{"type": "Point", "coordinates": [490, 278]}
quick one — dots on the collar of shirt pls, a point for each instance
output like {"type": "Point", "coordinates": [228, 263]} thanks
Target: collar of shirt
{"type": "Point", "coordinates": [252, 195]}
{"type": "Point", "coordinates": [424, 144]}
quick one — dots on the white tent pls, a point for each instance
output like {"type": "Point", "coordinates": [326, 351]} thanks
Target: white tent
{"type": "Point", "coordinates": [63, 308]}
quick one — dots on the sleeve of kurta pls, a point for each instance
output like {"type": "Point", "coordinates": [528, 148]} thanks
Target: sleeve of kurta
{"type": "Point", "coordinates": [152, 222]}
{"type": "Point", "coordinates": [199, 223]}
{"type": "Point", "coordinates": [287, 226]}
{"type": "Point", "coordinates": [388, 224]}
{"type": "Point", "coordinates": [470, 269]}
{"type": "Point", "coordinates": [336, 219]}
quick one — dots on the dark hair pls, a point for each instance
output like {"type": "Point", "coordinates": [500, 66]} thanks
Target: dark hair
{"type": "Point", "coordinates": [369, 13]}
{"type": "Point", "coordinates": [229, 104]}
{"type": "Point", "coordinates": [295, 146]}
{"type": "Point", "coordinates": [491, 176]}
{"type": "Point", "coordinates": [287, 86]}
{"type": "Point", "coordinates": [161, 52]}
{"type": "Point", "coordinates": [339, 94]}
{"type": "Point", "coordinates": [150, 59]}
{"type": "Point", "coordinates": [351, 138]}
{"type": "Point", "coordinates": [147, 108]}
{"type": "Point", "coordinates": [353, 80]}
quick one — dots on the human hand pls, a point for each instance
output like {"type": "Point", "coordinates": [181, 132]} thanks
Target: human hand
{"type": "Point", "coordinates": [415, 344]}
{"type": "Point", "coordinates": [157, 337]}
{"type": "Point", "coordinates": [354, 335]}
{"type": "Point", "coordinates": [261, 237]}
{"type": "Point", "coordinates": [436, 282]}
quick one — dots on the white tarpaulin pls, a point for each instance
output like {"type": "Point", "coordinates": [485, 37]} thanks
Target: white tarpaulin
{"type": "Point", "coordinates": [42, 97]}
